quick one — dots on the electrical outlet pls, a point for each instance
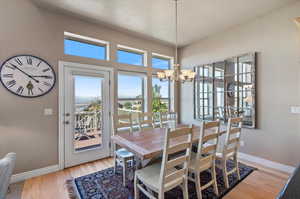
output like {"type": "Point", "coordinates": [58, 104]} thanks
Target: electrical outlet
{"type": "Point", "coordinates": [48, 111]}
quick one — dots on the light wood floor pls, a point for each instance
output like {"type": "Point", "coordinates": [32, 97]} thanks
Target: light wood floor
{"type": "Point", "coordinates": [261, 184]}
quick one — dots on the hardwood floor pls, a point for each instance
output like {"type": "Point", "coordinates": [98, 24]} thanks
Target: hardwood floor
{"type": "Point", "coordinates": [261, 184]}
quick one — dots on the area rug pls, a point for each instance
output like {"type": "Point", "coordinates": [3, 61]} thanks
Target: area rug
{"type": "Point", "coordinates": [106, 184]}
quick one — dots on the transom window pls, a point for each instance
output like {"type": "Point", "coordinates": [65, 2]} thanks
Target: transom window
{"type": "Point", "coordinates": [82, 46]}
{"type": "Point", "coordinates": [161, 63]}
{"type": "Point", "coordinates": [127, 55]}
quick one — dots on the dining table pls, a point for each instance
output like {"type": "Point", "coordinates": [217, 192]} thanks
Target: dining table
{"type": "Point", "coordinates": [148, 144]}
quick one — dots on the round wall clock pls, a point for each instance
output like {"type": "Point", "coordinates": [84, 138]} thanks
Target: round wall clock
{"type": "Point", "coordinates": [27, 76]}
{"type": "Point", "coordinates": [230, 89]}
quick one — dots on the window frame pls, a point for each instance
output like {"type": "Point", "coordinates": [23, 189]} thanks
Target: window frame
{"type": "Point", "coordinates": [133, 51]}
{"type": "Point", "coordinates": [88, 40]}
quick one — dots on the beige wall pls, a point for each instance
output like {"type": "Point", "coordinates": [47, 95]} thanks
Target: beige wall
{"type": "Point", "coordinates": [26, 29]}
{"type": "Point", "coordinates": [277, 40]}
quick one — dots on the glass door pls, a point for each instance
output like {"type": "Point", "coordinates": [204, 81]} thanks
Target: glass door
{"type": "Point", "coordinates": [86, 115]}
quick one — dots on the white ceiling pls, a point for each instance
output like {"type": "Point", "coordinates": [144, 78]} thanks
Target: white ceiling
{"type": "Point", "coordinates": [155, 18]}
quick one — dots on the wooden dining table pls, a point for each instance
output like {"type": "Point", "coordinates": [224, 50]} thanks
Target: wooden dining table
{"type": "Point", "coordinates": [148, 144]}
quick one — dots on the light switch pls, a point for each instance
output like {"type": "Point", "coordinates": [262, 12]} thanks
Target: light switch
{"type": "Point", "coordinates": [48, 111]}
{"type": "Point", "coordinates": [295, 109]}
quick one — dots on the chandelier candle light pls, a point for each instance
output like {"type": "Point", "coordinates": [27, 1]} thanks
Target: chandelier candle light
{"type": "Point", "coordinates": [176, 74]}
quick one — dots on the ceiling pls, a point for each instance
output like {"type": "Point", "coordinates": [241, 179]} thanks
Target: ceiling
{"type": "Point", "coordinates": [155, 18]}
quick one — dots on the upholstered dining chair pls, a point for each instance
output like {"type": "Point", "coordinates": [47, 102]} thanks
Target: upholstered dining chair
{"type": "Point", "coordinates": [145, 121]}
{"type": "Point", "coordinates": [122, 157]}
{"type": "Point", "coordinates": [161, 177]}
{"type": "Point", "coordinates": [230, 148]}
{"type": "Point", "coordinates": [204, 159]}
{"type": "Point", "coordinates": [166, 117]}
{"type": "Point", "coordinates": [7, 165]}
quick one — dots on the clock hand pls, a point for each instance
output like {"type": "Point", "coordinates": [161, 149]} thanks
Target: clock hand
{"type": "Point", "coordinates": [37, 81]}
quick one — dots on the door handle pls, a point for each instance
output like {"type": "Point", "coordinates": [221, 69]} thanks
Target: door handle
{"type": "Point", "coordinates": [67, 122]}
{"type": "Point", "coordinates": [67, 114]}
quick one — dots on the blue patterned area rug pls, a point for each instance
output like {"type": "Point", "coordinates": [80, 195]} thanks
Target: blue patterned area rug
{"type": "Point", "coordinates": [106, 184]}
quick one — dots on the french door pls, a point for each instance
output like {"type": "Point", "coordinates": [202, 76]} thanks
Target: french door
{"type": "Point", "coordinates": [86, 114]}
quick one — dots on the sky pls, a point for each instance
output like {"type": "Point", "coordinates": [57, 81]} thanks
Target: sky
{"type": "Point", "coordinates": [129, 86]}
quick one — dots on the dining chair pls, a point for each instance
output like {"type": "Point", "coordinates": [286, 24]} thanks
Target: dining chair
{"type": "Point", "coordinates": [123, 157]}
{"type": "Point", "coordinates": [230, 149]}
{"type": "Point", "coordinates": [166, 117]}
{"type": "Point", "coordinates": [7, 165]}
{"type": "Point", "coordinates": [163, 176]}
{"type": "Point", "coordinates": [204, 159]}
{"type": "Point", "coordinates": [145, 121]}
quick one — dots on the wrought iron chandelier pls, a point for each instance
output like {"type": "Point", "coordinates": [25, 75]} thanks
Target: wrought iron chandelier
{"type": "Point", "coordinates": [176, 74]}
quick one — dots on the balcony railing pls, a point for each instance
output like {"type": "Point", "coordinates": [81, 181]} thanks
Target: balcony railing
{"type": "Point", "coordinates": [87, 121]}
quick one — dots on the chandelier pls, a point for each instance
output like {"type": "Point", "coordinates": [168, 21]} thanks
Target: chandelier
{"type": "Point", "coordinates": [176, 74]}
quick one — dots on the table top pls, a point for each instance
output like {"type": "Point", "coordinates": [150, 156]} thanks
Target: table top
{"type": "Point", "coordinates": [148, 144]}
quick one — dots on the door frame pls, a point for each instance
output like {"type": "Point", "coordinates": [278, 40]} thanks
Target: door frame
{"type": "Point", "coordinates": [61, 105]}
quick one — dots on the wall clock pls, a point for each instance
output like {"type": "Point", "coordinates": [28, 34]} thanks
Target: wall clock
{"type": "Point", "coordinates": [27, 76]}
{"type": "Point", "coordinates": [230, 89]}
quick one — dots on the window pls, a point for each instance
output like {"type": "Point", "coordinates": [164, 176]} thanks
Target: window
{"type": "Point", "coordinates": [161, 63]}
{"type": "Point", "coordinates": [160, 95]}
{"type": "Point", "coordinates": [131, 94]}
{"type": "Point", "coordinates": [131, 56]}
{"type": "Point", "coordinates": [78, 45]}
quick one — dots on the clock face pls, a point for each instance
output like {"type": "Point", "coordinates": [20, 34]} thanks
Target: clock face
{"type": "Point", "coordinates": [27, 76]}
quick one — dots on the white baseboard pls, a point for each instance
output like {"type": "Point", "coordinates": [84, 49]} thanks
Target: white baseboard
{"type": "Point", "coordinates": [267, 163]}
{"type": "Point", "coordinates": [34, 173]}
{"type": "Point", "coordinates": [42, 171]}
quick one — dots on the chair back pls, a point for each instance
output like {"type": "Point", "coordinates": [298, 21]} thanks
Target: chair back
{"type": "Point", "coordinates": [177, 151]}
{"type": "Point", "coordinates": [233, 135]}
{"type": "Point", "coordinates": [122, 123]}
{"type": "Point", "coordinates": [145, 121]}
{"type": "Point", "coordinates": [208, 143]}
{"type": "Point", "coordinates": [165, 117]}
{"type": "Point", "coordinates": [7, 165]}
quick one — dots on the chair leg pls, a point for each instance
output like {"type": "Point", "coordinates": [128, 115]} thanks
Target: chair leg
{"type": "Point", "coordinates": [161, 195]}
{"type": "Point", "coordinates": [124, 172]}
{"type": "Point", "coordinates": [224, 168]}
{"type": "Point", "coordinates": [237, 167]}
{"type": "Point", "coordinates": [185, 189]}
{"type": "Point", "coordinates": [136, 189]}
{"type": "Point", "coordinates": [115, 162]}
{"type": "Point", "coordinates": [213, 172]}
{"type": "Point", "coordinates": [198, 185]}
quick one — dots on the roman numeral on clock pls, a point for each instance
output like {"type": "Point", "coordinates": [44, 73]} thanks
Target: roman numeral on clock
{"type": "Point", "coordinates": [13, 67]}
{"type": "Point", "coordinates": [38, 65]}
{"type": "Point", "coordinates": [8, 75]}
{"type": "Point", "coordinates": [19, 61]}
{"type": "Point", "coordinates": [11, 83]}
{"type": "Point", "coordinates": [20, 90]}
{"type": "Point", "coordinates": [45, 70]}
{"type": "Point", "coordinates": [29, 60]}
{"type": "Point", "coordinates": [41, 90]}
{"type": "Point", "coordinates": [46, 84]}
{"type": "Point", "coordinates": [30, 91]}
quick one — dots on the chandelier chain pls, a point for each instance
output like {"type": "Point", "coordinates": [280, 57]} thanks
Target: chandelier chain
{"type": "Point", "coordinates": [176, 74]}
{"type": "Point", "coordinates": [176, 32]}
